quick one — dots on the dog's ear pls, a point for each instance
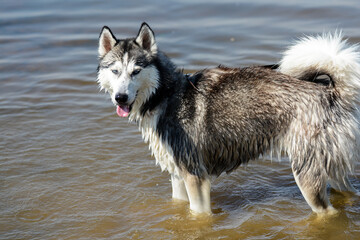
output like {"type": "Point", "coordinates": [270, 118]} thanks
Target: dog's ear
{"type": "Point", "coordinates": [146, 38]}
{"type": "Point", "coordinates": [107, 41]}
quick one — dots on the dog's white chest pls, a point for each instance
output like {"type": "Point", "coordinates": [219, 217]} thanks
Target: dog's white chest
{"type": "Point", "coordinates": [159, 149]}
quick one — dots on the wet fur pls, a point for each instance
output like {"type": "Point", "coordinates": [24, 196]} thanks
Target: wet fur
{"type": "Point", "coordinates": [217, 119]}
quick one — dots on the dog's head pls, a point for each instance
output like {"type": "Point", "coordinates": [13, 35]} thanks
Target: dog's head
{"type": "Point", "coordinates": [126, 68]}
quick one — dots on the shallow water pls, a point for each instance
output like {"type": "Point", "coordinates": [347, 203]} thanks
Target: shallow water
{"type": "Point", "coordinates": [71, 169]}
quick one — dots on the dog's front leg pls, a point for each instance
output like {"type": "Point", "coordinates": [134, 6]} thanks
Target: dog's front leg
{"type": "Point", "coordinates": [178, 188]}
{"type": "Point", "coordinates": [198, 190]}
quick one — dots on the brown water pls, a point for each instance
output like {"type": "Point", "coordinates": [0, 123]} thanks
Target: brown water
{"type": "Point", "coordinates": [71, 169]}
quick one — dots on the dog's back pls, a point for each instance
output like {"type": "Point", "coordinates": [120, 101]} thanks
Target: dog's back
{"type": "Point", "coordinates": [247, 111]}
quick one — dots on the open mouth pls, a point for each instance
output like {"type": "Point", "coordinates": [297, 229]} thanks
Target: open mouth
{"type": "Point", "coordinates": [123, 110]}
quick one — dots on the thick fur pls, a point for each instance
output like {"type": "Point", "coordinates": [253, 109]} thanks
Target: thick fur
{"type": "Point", "coordinates": [217, 119]}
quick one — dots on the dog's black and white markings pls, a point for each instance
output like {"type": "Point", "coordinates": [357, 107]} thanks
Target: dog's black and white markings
{"type": "Point", "coordinates": [198, 126]}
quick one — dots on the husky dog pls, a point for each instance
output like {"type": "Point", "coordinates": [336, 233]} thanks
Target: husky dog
{"type": "Point", "coordinates": [211, 122]}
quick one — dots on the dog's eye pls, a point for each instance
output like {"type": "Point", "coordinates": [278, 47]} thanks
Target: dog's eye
{"type": "Point", "coordinates": [115, 71]}
{"type": "Point", "coordinates": [137, 71]}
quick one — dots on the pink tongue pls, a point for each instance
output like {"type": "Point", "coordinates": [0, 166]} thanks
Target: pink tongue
{"type": "Point", "coordinates": [122, 111]}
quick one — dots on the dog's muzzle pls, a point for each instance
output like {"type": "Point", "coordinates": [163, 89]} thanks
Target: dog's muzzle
{"type": "Point", "coordinates": [121, 99]}
{"type": "Point", "coordinates": [123, 108]}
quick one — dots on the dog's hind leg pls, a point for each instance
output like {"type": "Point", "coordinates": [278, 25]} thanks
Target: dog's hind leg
{"type": "Point", "coordinates": [178, 188]}
{"type": "Point", "coordinates": [198, 190]}
{"type": "Point", "coordinates": [312, 183]}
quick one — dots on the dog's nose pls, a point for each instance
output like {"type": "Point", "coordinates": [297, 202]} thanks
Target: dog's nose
{"type": "Point", "coordinates": [121, 98]}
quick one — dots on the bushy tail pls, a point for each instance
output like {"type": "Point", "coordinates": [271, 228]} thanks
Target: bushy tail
{"type": "Point", "coordinates": [326, 54]}
{"type": "Point", "coordinates": [331, 55]}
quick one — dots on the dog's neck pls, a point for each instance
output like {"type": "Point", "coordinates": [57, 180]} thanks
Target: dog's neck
{"type": "Point", "coordinates": [169, 83]}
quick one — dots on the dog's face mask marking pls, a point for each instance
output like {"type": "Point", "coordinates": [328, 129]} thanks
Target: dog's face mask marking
{"type": "Point", "coordinates": [126, 69]}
